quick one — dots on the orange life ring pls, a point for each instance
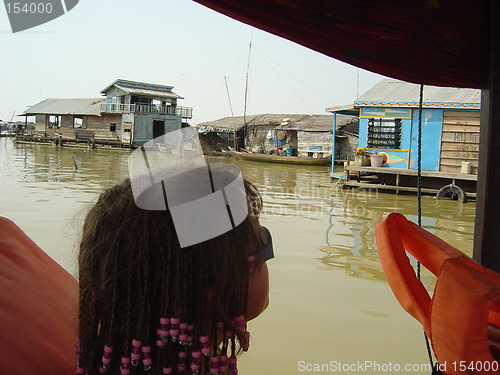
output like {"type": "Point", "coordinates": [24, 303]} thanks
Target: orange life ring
{"type": "Point", "coordinates": [38, 308]}
{"type": "Point", "coordinates": [385, 159]}
{"type": "Point", "coordinates": [466, 297]}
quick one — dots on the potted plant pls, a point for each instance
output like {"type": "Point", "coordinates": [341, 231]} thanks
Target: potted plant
{"type": "Point", "coordinates": [377, 159]}
{"type": "Point", "coordinates": [362, 156]}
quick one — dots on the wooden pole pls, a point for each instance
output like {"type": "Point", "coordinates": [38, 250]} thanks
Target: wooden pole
{"type": "Point", "coordinates": [487, 225]}
{"type": "Point", "coordinates": [334, 133]}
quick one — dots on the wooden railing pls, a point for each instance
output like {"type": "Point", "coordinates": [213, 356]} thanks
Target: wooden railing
{"type": "Point", "coordinates": [184, 112]}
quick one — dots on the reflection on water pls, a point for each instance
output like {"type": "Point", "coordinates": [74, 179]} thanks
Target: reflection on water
{"type": "Point", "coordinates": [353, 215]}
{"type": "Point", "coordinates": [342, 315]}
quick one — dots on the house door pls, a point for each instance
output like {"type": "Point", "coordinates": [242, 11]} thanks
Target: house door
{"type": "Point", "coordinates": [432, 123]}
{"type": "Point", "coordinates": [158, 128]}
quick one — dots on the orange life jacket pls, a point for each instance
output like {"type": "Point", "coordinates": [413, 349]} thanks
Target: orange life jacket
{"type": "Point", "coordinates": [466, 297]}
{"type": "Point", "coordinates": [38, 308]}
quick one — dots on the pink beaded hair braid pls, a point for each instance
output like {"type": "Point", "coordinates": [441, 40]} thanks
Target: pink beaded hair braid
{"type": "Point", "coordinates": [148, 306]}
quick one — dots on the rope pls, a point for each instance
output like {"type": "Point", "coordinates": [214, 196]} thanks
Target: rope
{"type": "Point", "coordinates": [419, 166]}
{"type": "Point", "coordinates": [419, 156]}
{"type": "Point", "coordinates": [419, 196]}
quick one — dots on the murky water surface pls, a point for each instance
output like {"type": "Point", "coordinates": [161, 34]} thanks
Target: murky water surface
{"type": "Point", "coordinates": [331, 310]}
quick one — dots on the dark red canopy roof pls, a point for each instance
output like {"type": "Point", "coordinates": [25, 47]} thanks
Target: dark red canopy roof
{"type": "Point", "coordinates": [434, 42]}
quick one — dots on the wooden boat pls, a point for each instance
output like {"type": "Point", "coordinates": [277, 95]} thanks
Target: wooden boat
{"type": "Point", "coordinates": [266, 158]}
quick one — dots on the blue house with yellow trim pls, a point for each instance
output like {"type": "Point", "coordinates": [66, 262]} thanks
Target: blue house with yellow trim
{"type": "Point", "coordinates": [388, 122]}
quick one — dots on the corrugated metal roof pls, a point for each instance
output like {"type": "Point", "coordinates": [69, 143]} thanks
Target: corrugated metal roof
{"type": "Point", "coordinates": [143, 88]}
{"type": "Point", "coordinates": [82, 106]}
{"type": "Point", "coordinates": [391, 90]}
{"type": "Point", "coordinates": [282, 121]}
{"type": "Point", "coordinates": [138, 91]}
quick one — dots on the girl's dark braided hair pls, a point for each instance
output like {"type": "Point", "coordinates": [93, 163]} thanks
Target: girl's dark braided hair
{"type": "Point", "coordinates": [133, 272]}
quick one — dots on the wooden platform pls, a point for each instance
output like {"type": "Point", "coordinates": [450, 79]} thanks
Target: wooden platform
{"type": "Point", "coordinates": [405, 180]}
{"type": "Point", "coordinates": [82, 141]}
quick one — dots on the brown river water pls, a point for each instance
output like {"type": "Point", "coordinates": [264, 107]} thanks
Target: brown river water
{"type": "Point", "coordinates": [330, 311]}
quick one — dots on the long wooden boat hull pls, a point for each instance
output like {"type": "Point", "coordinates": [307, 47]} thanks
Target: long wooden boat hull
{"type": "Point", "coordinates": [281, 159]}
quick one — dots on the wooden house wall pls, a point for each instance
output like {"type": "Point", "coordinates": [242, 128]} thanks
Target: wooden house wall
{"type": "Point", "coordinates": [258, 136]}
{"type": "Point", "coordinates": [115, 92]}
{"type": "Point", "coordinates": [99, 125]}
{"type": "Point", "coordinates": [460, 140]}
{"type": "Point", "coordinates": [315, 142]}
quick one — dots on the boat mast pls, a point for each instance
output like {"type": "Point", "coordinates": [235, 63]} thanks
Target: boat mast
{"type": "Point", "coordinates": [245, 127]}
{"type": "Point", "coordinates": [229, 97]}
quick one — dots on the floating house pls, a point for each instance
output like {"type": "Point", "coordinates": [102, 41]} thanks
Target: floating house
{"type": "Point", "coordinates": [130, 114]}
{"type": "Point", "coordinates": [388, 122]}
{"type": "Point", "coordinates": [309, 135]}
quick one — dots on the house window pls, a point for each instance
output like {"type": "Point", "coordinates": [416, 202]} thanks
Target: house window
{"type": "Point", "coordinates": [112, 127]}
{"type": "Point", "coordinates": [54, 122]}
{"type": "Point", "coordinates": [78, 122]}
{"type": "Point", "coordinates": [384, 133]}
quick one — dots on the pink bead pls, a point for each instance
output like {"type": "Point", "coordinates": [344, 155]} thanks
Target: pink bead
{"type": "Point", "coordinates": [136, 343]}
{"type": "Point", "coordinates": [80, 370]}
{"type": "Point", "coordinates": [108, 349]}
{"type": "Point", "coordinates": [124, 371]}
{"type": "Point", "coordinates": [147, 361]}
{"type": "Point", "coordinates": [167, 370]}
{"type": "Point", "coordinates": [204, 345]}
{"type": "Point", "coordinates": [195, 366]}
{"type": "Point", "coordinates": [162, 332]}
{"type": "Point", "coordinates": [239, 321]}
{"type": "Point", "coordinates": [125, 360]}
{"type": "Point", "coordinates": [214, 365]}
{"type": "Point", "coordinates": [175, 320]}
{"type": "Point", "coordinates": [182, 354]}
{"type": "Point", "coordinates": [146, 349]}
{"type": "Point", "coordinates": [165, 321]}
{"type": "Point", "coordinates": [106, 360]}
{"type": "Point", "coordinates": [251, 258]}
{"type": "Point", "coordinates": [220, 325]}
{"type": "Point", "coordinates": [196, 354]}
{"type": "Point", "coordinates": [160, 343]}
{"type": "Point", "coordinates": [183, 331]}
{"type": "Point", "coordinates": [135, 356]}
{"type": "Point", "coordinates": [101, 370]}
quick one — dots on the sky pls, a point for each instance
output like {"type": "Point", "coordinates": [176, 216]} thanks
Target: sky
{"type": "Point", "coordinates": [203, 54]}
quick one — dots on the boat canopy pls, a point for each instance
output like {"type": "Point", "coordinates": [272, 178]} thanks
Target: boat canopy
{"type": "Point", "coordinates": [441, 43]}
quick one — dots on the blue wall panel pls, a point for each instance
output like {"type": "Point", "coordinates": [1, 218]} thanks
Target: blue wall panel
{"type": "Point", "coordinates": [432, 125]}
